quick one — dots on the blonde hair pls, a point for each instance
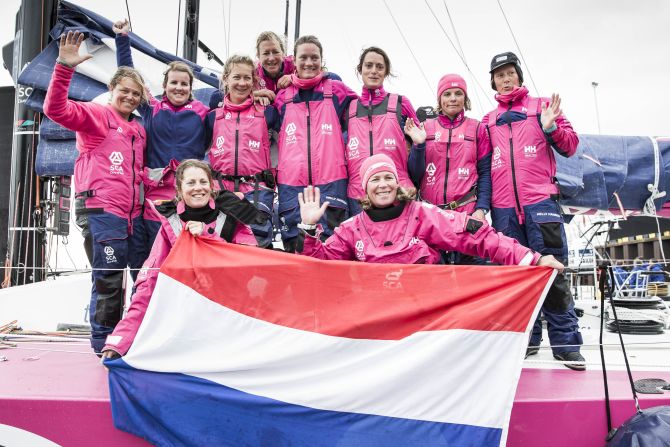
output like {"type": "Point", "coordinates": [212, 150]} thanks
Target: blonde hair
{"type": "Point", "coordinates": [269, 36]}
{"type": "Point", "coordinates": [133, 75]}
{"type": "Point", "coordinates": [228, 68]}
{"type": "Point", "coordinates": [402, 195]}
{"type": "Point", "coordinates": [193, 163]}
{"type": "Point", "coordinates": [182, 67]}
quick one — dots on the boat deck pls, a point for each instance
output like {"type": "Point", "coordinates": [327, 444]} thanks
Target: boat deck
{"type": "Point", "coordinates": [59, 391]}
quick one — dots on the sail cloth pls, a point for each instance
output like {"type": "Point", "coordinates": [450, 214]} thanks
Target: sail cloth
{"type": "Point", "coordinates": [241, 346]}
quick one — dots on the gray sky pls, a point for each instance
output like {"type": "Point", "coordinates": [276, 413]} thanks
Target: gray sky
{"type": "Point", "coordinates": [566, 45]}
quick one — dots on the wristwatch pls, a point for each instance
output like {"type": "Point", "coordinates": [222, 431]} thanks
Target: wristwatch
{"type": "Point", "coordinates": [304, 226]}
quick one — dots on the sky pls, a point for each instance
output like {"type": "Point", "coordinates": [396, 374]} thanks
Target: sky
{"type": "Point", "coordinates": [565, 47]}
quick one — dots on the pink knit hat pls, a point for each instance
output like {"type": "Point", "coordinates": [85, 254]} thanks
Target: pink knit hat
{"type": "Point", "coordinates": [451, 81]}
{"type": "Point", "coordinates": [377, 163]}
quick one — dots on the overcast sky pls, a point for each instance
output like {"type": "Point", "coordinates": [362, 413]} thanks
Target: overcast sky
{"type": "Point", "coordinates": [621, 45]}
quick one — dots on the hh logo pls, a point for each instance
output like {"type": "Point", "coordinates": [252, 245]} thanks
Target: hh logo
{"type": "Point", "coordinates": [430, 169]}
{"type": "Point", "coordinates": [461, 136]}
{"type": "Point", "coordinates": [116, 158]}
{"type": "Point", "coordinates": [254, 145]}
{"type": "Point", "coordinates": [219, 142]}
{"type": "Point", "coordinates": [438, 135]}
{"type": "Point", "coordinates": [109, 255]}
{"type": "Point", "coordinates": [530, 151]}
{"type": "Point", "coordinates": [228, 116]}
{"type": "Point", "coordinates": [290, 129]}
{"type": "Point", "coordinates": [464, 172]}
{"type": "Point", "coordinates": [389, 141]}
{"type": "Point", "coordinates": [359, 250]}
{"type": "Point", "coordinates": [326, 128]}
{"type": "Point", "coordinates": [454, 84]}
{"type": "Point", "coordinates": [392, 280]}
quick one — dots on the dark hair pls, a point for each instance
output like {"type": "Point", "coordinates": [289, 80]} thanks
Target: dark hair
{"type": "Point", "coordinates": [307, 39]}
{"type": "Point", "coordinates": [193, 163]}
{"type": "Point", "coordinates": [379, 51]}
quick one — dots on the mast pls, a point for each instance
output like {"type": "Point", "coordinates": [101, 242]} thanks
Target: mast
{"type": "Point", "coordinates": [191, 19]}
{"type": "Point", "coordinates": [26, 232]}
{"type": "Point", "coordinates": [297, 19]}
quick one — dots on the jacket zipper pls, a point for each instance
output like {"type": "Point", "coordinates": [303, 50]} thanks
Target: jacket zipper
{"type": "Point", "coordinates": [446, 167]}
{"type": "Point", "coordinates": [511, 155]}
{"type": "Point", "coordinates": [132, 185]}
{"type": "Point", "coordinates": [370, 122]}
{"type": "Point", "coordinates": [309, 146]}
{"type": "Point", "coordinates": [237, 141]}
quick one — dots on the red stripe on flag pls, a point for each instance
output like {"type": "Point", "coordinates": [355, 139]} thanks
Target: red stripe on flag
{"type": "Point", "coordinates": [355, 299]}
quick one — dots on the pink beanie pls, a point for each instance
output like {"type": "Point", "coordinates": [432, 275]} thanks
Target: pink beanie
{"type": "Point", "coordinates": [376, 163]}
{"type": "Point", "coordinates": [451, 81]}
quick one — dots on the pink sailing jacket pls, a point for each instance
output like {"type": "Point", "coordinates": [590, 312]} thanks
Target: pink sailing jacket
{"type": "Point", "coordinates": [375, 129]}
{"type": "Point", "coordinates": [240, 144]}
{"type": "Point", "coordinates": [111, 149]}
{"type": "Point", "coordinates": [415, 238]}
{"type": "Point", "coordinates": [451, 163]}
{"type": "Point", "coordinates": [159, 185]}
{"type": "Point", "coordinates": [311, 149]}
{"type": "Point", "coordinates": [124, 334]}
{"type": "Point", "coordinates": [265, 81]}
{"type": "Point", "coordinates": [523, 167]}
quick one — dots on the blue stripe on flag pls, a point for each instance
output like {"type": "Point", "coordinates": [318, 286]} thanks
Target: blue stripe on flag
{"type": "Point", "coordinates": [170, 409]}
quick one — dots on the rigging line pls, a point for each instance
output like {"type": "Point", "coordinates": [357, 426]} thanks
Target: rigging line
{"type": "Point", "coordinates": [225, 32]}
{"type": "Point", "coordinates": [509, 26]}
{"type": "Point", "coordinates": [230, 16]}
{"type": "Point", "coordinates": [409, 48]}
{"type": "Point", "coordinates": [130, 22]}
{"type": "Point", "coordinates": [176, 47]}
{"type": "Point", "coordinates": [458, 53]}
{"type": "Point", "coordinates": [460, 47]}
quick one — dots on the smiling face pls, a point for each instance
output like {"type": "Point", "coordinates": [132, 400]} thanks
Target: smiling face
{"type": "Point", "coordinates": [178, 87]}
{"type": "Point", "coordinates": [506, 79]}
{"type": "Point", "coordinates": [270, 56]}
{"type": "Point", "coordinates": [373, 70]}
{"type": "Point", "coordinates": [382, 189]}
{"type": "Point", "coordinates": [308, 61]}
{"type": "Point", "coordinates": [126, 96]}
{"type": "Point", "coordinates": [452, 102]}
{"type": "Point", "coordinates": [195, 187]}
{"type": "Point", "coordinates": [239, 82]}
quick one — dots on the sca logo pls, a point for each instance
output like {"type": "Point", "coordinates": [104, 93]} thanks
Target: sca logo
{"type": "Point", "coordinates": [353, 148]}
{"type": "Point", "coordinates": [359, 250]}
{"type": "Point", "coordinates": [116, 158]}
{"type": "Point", "coordinates": [290, 133]}
{"type": "Point", "coordinates": [109, 255]}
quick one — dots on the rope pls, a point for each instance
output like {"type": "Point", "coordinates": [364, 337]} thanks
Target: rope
{"type": "Point", "coordinates": [418, 65]}
{"type": "Point", "coordinates": [130, 22]}
{"type": "Point", "coordinates": [460, 55]}
{"type": "Point", "coordinates": [176, 48]}
{"type": "Point", "coordinates": [509, 26]}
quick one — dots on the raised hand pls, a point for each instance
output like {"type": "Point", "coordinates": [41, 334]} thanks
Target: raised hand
{"type": "Point", "coordinates": [195, 228]}
{"type": "Point", "coordinates": [416, 133]}
{"type": "Point", "coordinates": [310, 208]}
{"type": "Point", "coordinates": [551, 112]}
{"type": "Point", "coordinates": [68, 51]}
{"type": "Point", "coordinates": [121, 27]}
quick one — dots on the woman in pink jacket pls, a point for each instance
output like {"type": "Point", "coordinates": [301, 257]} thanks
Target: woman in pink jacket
{"type": "Point", "coordinates": [111, 146]}
{"type": "Point", "coordinates": [396, 229]}
{"type": "Point", "coordinates": [375, 124]}
{"type": "Point", "coordinates": [199, 209]}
